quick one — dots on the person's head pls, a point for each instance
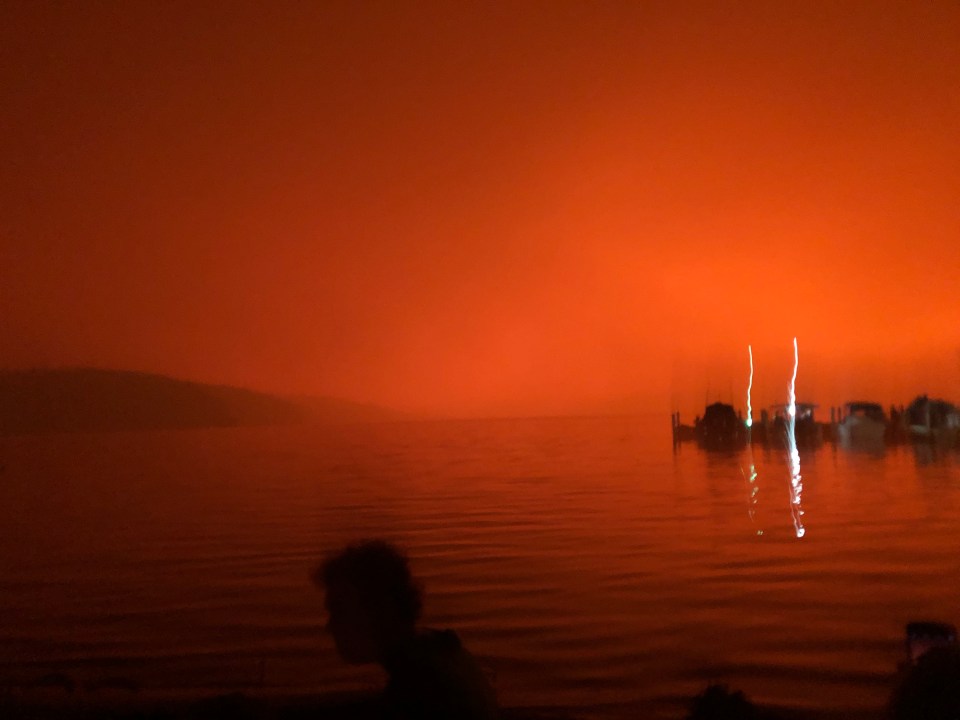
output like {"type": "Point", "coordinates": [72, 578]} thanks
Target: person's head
{"type": "Point", "coordinates": [371, 598]}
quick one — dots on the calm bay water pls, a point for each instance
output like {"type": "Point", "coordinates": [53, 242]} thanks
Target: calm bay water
{"type": "Point", "coordinates": [586, 563]}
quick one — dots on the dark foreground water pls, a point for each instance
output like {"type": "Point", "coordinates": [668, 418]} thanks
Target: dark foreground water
{"type": "Point", "coordinates": [588, 565]}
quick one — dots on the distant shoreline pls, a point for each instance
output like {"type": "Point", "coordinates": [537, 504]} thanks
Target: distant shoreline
{"type": "Point", "coordinates": [41, 401]}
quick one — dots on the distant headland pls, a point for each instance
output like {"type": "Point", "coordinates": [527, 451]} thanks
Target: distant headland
{"type": "Point", "coordinates": [98, 400]}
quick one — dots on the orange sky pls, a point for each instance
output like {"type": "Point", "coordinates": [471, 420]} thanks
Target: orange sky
{"type": "Point", "coordinates": [487, 208]}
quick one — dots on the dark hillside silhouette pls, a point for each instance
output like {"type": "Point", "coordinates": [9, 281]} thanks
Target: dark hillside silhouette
{"type": "Point", "coordinates": [94, 400]}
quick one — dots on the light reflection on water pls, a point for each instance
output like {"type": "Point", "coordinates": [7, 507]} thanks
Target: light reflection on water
{"type": "Point", "coordinates": [585, 562]}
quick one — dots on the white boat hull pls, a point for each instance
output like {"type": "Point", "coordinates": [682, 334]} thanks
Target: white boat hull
{"type": "Point", "coordinates": [859, 430]}
{"type": "Point", "coordinates": [946, 436]}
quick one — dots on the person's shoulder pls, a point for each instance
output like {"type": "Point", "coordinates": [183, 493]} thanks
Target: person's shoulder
{"type": "Point", "coordinates": [441, 652]}
{"type": "Point", "coordinates": [430, 641]}
{"type": "Point", "coordinates": [440, 673]}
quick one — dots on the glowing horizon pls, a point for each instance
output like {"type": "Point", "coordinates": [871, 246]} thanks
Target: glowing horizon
{"type": "Point", "coordinates": [456, 211]}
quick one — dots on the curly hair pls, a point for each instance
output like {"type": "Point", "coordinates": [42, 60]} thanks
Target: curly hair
{"type": "Point", "coordinates": [380, 573]}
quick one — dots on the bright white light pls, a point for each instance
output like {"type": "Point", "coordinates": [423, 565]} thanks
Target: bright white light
{"type": "Point", "coordinates": [791, 390]}
{"type": "Point", "coordinates": [796, 486]}
{"type": "Point", "coordinates": [752, 483]}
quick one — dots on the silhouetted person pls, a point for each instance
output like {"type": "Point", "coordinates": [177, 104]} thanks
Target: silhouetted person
{"type": "Point", "coordinates": [373, 606]}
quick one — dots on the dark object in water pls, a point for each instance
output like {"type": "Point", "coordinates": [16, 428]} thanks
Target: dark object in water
{"type": "Point", "coordinates": [931, 420]}
{"type": "Point", "coordinates": [807, 432]}
{"type": "Point", "coordinates": [924, 636]}
{"type": "Point", "coordinates": [717, 702]}
{"type": "Point", "coordinates": [56, 680]}
{"type": "Point", "coordinates": [114, 682]}
{"type": "Point", "coordinates": [235, 705]}
{"type": "Point", "coordinates": [930, 690]}
{"type": "Point", "coordinates": [721, 428]}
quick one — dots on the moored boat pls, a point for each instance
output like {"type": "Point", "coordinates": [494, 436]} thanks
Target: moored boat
{"type": "Point", "coordinates": [807, 431]}
{"type": "Point", "coordinates": [863, 423]}
{"type": "Point", "coordinates": [720, 428]}
{"type": "Point", "coordinates": [932, 420]}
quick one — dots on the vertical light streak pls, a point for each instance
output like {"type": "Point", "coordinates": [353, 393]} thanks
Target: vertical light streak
{"type": "Point", "coordinates": [796, 484]}
{"type": "Point", "coordinates": [753, 487]}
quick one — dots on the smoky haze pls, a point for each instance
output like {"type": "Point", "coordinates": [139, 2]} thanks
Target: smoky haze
{"type": "Point", "coordinates": [534, 208]}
